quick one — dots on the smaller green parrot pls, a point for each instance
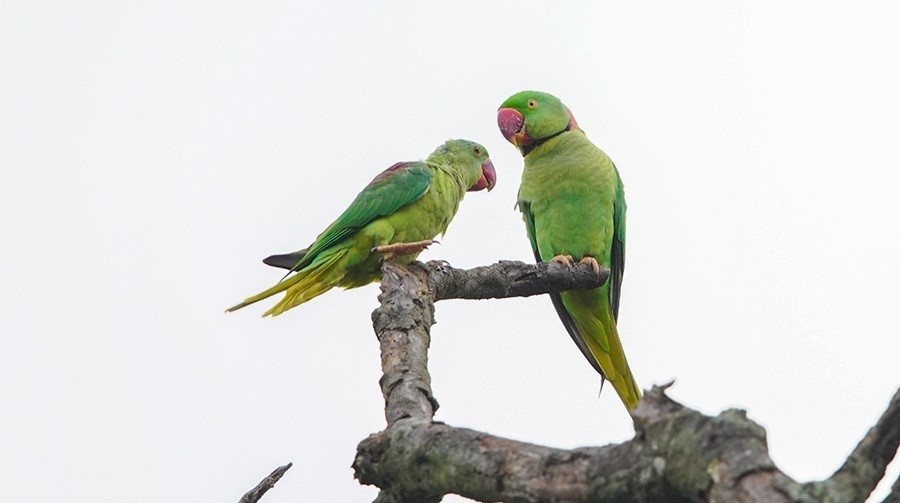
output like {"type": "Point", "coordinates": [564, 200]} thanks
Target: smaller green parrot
{"type": "Point", "coordinates": [395, 217]}
{"type": "Point", "coordinates": [573, 204]}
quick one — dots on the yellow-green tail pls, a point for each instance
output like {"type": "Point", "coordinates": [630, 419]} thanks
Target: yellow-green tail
{"type": "Point", "coordinates": [306, 284]}
{"type": "Point", "coordinates": [597, 327]}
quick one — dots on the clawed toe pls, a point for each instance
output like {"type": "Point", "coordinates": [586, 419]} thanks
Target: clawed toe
{"type": "Point", "coordinates": [592, 262]}
{"type": "Point", "coordinates": [395, 250]}
{"type": "Point", "coordinates": [565, 260]}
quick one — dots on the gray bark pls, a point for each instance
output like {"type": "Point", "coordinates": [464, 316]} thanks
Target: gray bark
{"type": "Point", "coordinates": [677, 454]}
{"type": "Point", "coordinates": [253, 495]}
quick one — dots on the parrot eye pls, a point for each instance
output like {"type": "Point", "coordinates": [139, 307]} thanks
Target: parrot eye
{"type": "Point", "coordinates": [532, 103]}
{"type": "Point", "coordinates": [476, 150]}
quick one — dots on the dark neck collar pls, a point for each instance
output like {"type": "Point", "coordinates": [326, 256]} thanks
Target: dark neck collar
{"type": "Point", "coordinates": [526, 149]}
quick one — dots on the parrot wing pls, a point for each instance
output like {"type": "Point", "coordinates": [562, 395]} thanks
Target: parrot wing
{"type": "Point", "coordinates": [617, 263]}
{"type": "Point", "coordinates": [285, 260]}
{"type": "Point", "coordinates": [564, 316]}
{"type": "Point", "coordinates": [395, 187]}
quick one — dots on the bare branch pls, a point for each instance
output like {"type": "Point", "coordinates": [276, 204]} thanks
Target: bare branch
{"type": "Point", "coordinates": [509, 279]}
{"type": "Point", "coordinates": [867, 463]}
{"type": "Point", "coordinates": [678, 453]}
{"type": "Point", "coordinates": [403, 327]}
{"type": "Point", "coordinates": [686, 456]}
{"type": "Point", "coordinates": [894, 495]}
{"type": "Point", "coordinates": [253, 495]}
{"type": "Point", "coordinates": [403, 322]}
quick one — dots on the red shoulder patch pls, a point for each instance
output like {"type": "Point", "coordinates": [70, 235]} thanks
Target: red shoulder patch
{"type": "Point", "coordinates": [384, 175]}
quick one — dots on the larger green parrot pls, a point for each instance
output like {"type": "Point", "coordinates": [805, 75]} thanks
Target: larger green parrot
{"type": "Point", "coordinates": [573, 204]}
{"type": "Point", "coordinates": [394, 218]}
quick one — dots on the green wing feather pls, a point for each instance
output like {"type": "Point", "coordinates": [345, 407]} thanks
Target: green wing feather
{"type": "Point", "coordinates": [285, 260]}
{"type": "Point", "coordinates": [316, 266]}
{"type": "Point", "coordinates": [397, 186]}
{"type": "Point", "coordinates": [561, 311]}
{"type": "Point", "coordinates": [617, 260]}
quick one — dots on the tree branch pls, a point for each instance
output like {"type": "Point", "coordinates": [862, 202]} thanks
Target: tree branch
{"type": "Point", "coordinates": [403, 327]}
{"type": "Point", "coordinates": [253, 495]}
{"type": "Point", "coordinates": [403, 322]}
{"type": "Point", "coordinates": [867, 463]}
{"type": "Point", "coordinates": [509, 278]}
{"type": "Point", "coordinates": [894, 495]}
{"type": "Point", "coordinates": [678, 454]}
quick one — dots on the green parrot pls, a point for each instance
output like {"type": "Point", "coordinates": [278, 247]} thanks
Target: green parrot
{"type": "Point", "coordinates": [573, 204]}
{"type": "Point", "coordinates": [394, 218]}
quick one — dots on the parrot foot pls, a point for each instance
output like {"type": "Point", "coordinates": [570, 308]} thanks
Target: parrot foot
{"type": "Point", "coordinates": [591, 261]}
{"type": "Point", "coordinates": [395, 250]}
{"type": "Point", "coordinates": [565, 260]}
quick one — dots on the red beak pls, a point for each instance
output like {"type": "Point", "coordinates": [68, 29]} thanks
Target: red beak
{"type": "Point", "coordinates": [511, 124]}
{"type": "Point", "coordinates": [488, 177]}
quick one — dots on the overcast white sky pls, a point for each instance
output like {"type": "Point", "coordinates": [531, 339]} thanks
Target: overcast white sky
{"type": "Point", "coordinates": [153, 152]}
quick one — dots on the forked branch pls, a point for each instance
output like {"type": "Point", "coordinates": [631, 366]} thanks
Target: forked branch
{"type": "Point", "coordinates": [678, 454]}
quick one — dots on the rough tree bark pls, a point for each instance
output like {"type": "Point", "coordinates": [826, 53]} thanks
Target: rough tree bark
{"type": "Point", "coordinates": [253, 495]}
{"type": "Point", "coordinates": [677, 454]}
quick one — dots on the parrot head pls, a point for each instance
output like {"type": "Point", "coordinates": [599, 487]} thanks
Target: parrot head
{"type": "Point", "coordinates": [529, 118]}
{"type": "Point", "coordinates": [471, 162]}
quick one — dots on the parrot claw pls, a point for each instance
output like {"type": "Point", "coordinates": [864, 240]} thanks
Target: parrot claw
{"type": "Point", "coordinates": [395, 250]}
{"type": "Point", "coordinates": [565, 260]}
{"type": "Point", "coordinates": [592, 262]}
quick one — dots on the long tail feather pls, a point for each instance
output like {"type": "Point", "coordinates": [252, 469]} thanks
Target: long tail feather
{"type": "Point", "coordinates": [624, 383]}
{"type": "Point", "coordinates": [598, 329]}
{"type": "Point", "coordinates": [307, 284]}
{"type": "Point", "coordinates": [316, 283]}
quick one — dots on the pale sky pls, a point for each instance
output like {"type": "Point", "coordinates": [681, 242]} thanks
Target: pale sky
{"type": "Point", "coordinates": [153, 152]}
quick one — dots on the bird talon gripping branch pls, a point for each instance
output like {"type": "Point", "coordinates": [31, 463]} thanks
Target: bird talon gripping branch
{"type": "Point", "coordinates": [565, 260]}
{"type": "Point", "coordinates": [395, 250]}
{"type": "Point", "coordinates": [591, 261]}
